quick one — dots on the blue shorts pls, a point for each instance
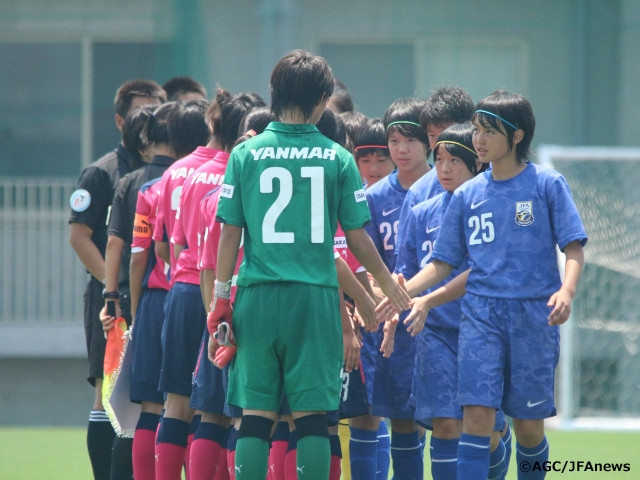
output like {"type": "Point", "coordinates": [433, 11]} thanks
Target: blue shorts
{"type": "Point", "coordinates": [353, 395]}
{"type": "Point", "coordinates": [508, 356]}
{"type": "Point", "coordinates": [435, 379]}
{"type": "Point", "coordinates": [209, 389]}
{"type": "Point", "coordinates": [185, 320]}
{"type": "Point", "coordinates": [147, 347]}
{"type": "Point", "coordinates": [368, 357]}
{"type": "Point", "coordinates": [394, 376]}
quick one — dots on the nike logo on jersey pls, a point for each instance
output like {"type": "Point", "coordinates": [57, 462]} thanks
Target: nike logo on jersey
{"type": "Point", "coordinates": [531, 405]}
{"type": "Point", "coordinates": [476, 205]}
{"type": "Point", "coordinates": [430, 230]}
{"type": "Point", "coordinates": [385, 212]}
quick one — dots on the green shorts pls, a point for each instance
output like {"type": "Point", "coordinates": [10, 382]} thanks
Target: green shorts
{"type": "Point", "coordinates": [289, 338]}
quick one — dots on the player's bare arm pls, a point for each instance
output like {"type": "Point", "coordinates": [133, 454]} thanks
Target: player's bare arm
{"type": "Point", "coordinates": [137, 269]}
{"type": "Point", "coordinates": [86, 250]}
{"type": "Point", "coordinates": [112, 259]}
{"type": "Point", "coordinates": [207, 277]}
{"type": "Point", "coordinates": [430, 275]}
{"type": "Point", "coordinates": [421, 306]}
{"type": "Point", "coordinates": [388, 338]}
{"type": "Point", "coordinates": [561, 300]}
{"type": "Point", "coordinates": [364, 303]}
{"type": "Point", "coordinates": [352, 345]}
{"type": "Point", "coordinates": [365, 251]}
{"type": "Point", "coordinates": [163, 251]}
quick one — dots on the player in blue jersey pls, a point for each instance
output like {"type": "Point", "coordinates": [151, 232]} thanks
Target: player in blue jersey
{"type": "Point", "coordinates": [369, 444]}
{"type": "Point", "coordinates": [444, 107]}
{"type": "Point", "coordinates": [294, 346]}
{"type": "Point", "coordinates": [508, 221]}
{"type": "Point", "coordinates": [435, 382]}
{"type": "Point", "coordinates": [409, 149]}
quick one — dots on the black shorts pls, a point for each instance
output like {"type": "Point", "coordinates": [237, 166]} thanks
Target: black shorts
{"type": "Point", "coordinates": [94, 334]}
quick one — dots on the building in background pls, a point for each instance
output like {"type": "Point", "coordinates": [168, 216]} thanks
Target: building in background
{"type": "Point", "coordinates": [61, 62]}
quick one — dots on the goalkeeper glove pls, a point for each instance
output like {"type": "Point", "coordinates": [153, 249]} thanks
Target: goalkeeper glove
{"type": "Point", "coordinates": [221, 310]}
{"type": "Point", "coordinates": [225, 338]}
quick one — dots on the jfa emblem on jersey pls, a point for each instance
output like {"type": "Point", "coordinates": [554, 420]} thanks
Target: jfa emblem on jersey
{"type": "Point", "coordinates": [524, 213]}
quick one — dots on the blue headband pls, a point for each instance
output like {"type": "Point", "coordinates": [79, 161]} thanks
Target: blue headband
{"type": "Point", "coordinates": [499, 118]}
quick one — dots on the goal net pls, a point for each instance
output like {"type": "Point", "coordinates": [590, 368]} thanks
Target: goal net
{"type": "Point", "coordinates": [599, 373]}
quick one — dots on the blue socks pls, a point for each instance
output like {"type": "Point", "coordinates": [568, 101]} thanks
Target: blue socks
{"type": "Point", "coordinates": [406, 455]}
{"type": "Point", "coordinates": [473, 457]}
{"type": "Point", "coordinates": [506, 439]}
{"type": "Point", "coordinates": [497, 460]}
{"type": "Point", "coordinates": [444, 458]}
{"type": "Point", "coordinates": [383, 451]}
{"type": "Point", "coordinates": [362, 451]}
{"type": "Point", "coordinates": [539, 454]}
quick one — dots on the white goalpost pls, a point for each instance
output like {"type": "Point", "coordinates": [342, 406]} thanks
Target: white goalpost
{"type": "Point", "coordinates": [599, 372]}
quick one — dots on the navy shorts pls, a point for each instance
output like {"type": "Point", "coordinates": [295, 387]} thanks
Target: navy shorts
{"type": "Point", "coordinates": [368, 357]}
{"type": "Point", "coordinates": [393, 377]}
{"type": "Point", "coordinates": [147, 347]}
{"type": "Point", "coordinates": [353, 395]}
{"type": "Point", "coordinates": [209, 389]}
{"type": "Point", "coordinates": [185, 320]}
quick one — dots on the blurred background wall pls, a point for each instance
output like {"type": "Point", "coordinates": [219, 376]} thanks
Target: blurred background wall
{"type": "Point", "coordinates": [61, 63]}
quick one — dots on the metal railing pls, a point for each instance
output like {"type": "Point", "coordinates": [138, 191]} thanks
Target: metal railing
{"type": "Point", "coordinates": [41, 279]}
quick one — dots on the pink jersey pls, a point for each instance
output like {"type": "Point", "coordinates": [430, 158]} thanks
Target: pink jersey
{"type": "Point", "coordinates": [209, 237]}
{"type": "Point", "coordinates": [144, 225]}
{"type": "Point", "coordinates": [172, 181]}
{"type": "Point", "coordinates": [185, 229]}
{"type": "Point", "coordinates": [340, 246]}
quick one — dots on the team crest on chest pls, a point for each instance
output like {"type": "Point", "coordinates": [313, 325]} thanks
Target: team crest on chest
{"type": "Point", "coordinates": [524, 213]}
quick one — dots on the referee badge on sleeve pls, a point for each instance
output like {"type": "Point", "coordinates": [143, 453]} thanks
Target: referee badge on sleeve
{"type": "Point", "coordinates": [80, 200]}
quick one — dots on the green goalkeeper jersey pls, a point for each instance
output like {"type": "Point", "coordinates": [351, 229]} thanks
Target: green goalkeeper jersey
{"type": "Point", "coordinates": [288, 188]}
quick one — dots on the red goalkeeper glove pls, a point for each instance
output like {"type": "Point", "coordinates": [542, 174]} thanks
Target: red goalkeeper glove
{"type": "Point", "coordinates": [225, 338]}
{"type": "Point", "coordinates": [221, 310]}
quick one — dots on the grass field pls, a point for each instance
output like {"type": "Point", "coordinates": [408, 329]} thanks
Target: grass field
{"type": "Point", "coordinates": [60, 454]}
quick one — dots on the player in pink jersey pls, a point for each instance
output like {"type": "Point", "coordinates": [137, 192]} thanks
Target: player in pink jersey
{"type": "Point", "coordinates": [185, 315]}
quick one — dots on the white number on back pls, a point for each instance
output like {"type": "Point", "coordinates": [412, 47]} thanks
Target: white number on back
{"type": "Point", "coordinates": [316, 176]}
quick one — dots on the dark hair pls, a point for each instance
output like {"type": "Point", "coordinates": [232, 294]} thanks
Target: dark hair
{"type": "Point", "coordinates": [352, 122]}
{"type": "Point", "coordinates": [187, 128]}
{"type": "Point", "coordinates": [516, 110]}
{"type": "Point", "coordinates": [254, 123]}
{"type": "Point", "coordinates": [371, 133]}
{"type": "Point", "coordinates": [132, 127]}
{"type": "Point", "coordinates": [155, 131]}
{"type": "Point", "coordinates": [300, 81]}
{"type": "Point", "coordinates": [136, 88]}
{"type": "Point", "coordinates": [341, 97]}
{"type": "Point", "coordinates": [447, 105]}
{"type": "Point", "coordinates": [406, 110]}
{"type": "Point", "coordinates": [460, 133]}
{"type": "Point", "coordinates": [176, 87]}
{"type": "Point", "coordinates": [224, 115]}
{"type": "Point", "coordinates": [331, 126]}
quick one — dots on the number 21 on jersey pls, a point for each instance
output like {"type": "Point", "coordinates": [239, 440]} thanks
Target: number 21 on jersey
{"type": "Point", "coordinates": [285, 180]}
